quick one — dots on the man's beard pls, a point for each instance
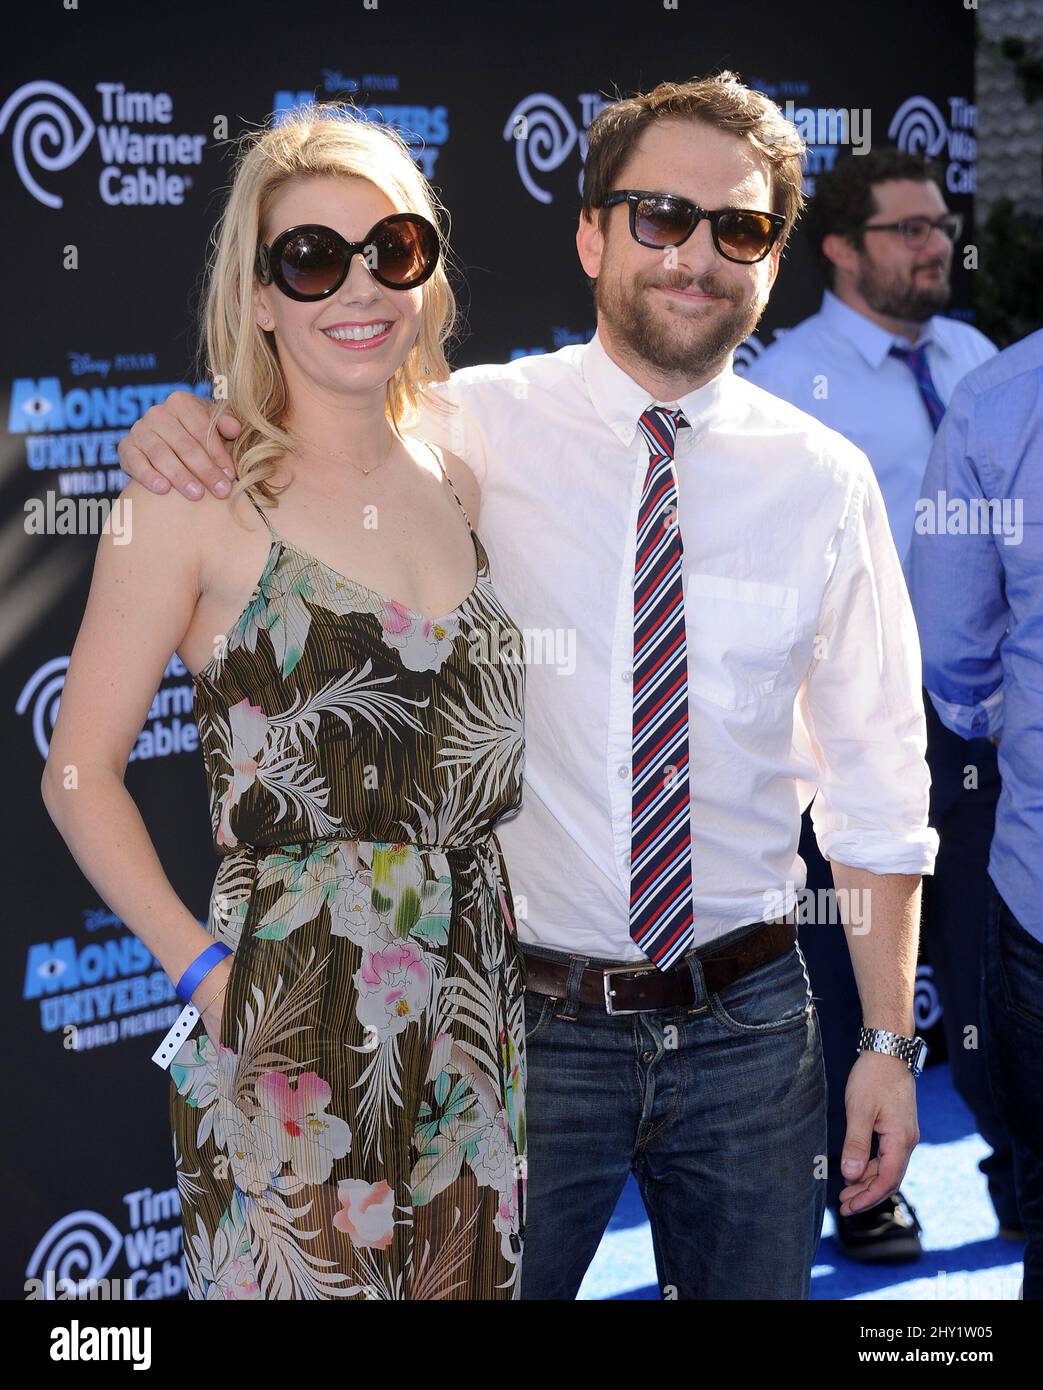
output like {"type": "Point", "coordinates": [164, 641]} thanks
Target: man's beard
{"type": "Point", "coordinates": [899, 299]}
{"type": "Point", "coordinates": [677, 344]}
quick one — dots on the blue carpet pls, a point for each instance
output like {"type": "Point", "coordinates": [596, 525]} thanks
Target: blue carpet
{"type": "Point", "coordinates": [963, 1256]}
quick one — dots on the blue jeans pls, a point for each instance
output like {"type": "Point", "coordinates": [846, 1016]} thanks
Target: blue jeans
{"type": "Point", "coordinates": [1012, 1020]}
{"type": "Point", "coordinates": [718, 1108]}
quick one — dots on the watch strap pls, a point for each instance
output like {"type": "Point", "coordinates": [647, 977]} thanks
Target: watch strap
{"type": "Point", "coordinates": [912, 1051]}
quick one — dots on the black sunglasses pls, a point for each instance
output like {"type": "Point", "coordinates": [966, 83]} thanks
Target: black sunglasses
{"type": "Point", "coordinates": [664, 219]}
{"type": "Point", "coordinates": [310, 261]}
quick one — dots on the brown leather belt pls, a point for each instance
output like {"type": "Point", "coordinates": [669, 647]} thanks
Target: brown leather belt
{"type": "Point", "coordinates": [627, 989]}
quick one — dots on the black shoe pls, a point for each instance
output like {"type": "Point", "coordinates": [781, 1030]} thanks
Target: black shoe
{"type": "Point", "coordinates": [888, 1233]}
{"type": "Point", "coordinates": [1012, 1233]}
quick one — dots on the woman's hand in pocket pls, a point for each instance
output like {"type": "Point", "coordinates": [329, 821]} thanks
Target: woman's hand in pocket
{"type": "Point", "coordinates": [212, 993]}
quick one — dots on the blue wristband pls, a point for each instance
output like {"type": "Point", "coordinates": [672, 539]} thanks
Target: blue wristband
{"type": "Point", "coordinates": [199, 969]}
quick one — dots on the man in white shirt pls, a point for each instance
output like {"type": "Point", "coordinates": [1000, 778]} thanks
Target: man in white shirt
{"type": "Point", "coordinates": [670, 1028]}
{"type": "Point", "coordinates": [879, 362]}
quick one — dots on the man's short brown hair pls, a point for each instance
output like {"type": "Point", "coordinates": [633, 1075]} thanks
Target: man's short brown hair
{"type": "Point", "coordinates": [721, 101]}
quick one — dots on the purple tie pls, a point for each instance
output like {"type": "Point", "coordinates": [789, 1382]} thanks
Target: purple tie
{"type": "Point", "coordinates": [661, 915]}
{"type": "Point", "coordinates": [916, 360]}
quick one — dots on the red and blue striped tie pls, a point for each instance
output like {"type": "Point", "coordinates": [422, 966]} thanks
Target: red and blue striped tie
{"type": "Point", "coordinates": [661, 917]}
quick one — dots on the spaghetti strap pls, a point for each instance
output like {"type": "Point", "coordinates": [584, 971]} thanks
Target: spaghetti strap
{"type": "Point", "coordinates": [452, 489]}
{"type": "Point", "coordinates": [264, 517]}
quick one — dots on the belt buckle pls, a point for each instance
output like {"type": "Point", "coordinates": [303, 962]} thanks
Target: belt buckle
{"type": "Point", "coordinates": [619, 970]}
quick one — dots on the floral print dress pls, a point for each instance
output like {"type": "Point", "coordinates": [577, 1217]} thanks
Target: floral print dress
{"type": "Point", "coordinates": [358, 1129]}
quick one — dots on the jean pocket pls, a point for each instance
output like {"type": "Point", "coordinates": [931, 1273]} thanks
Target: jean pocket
{"type": "Point", "coordinates": [773, 998]}
{"type": "Point", "coordinates": [539, 1009]}
{"type": "Point", "coordinates": [740, 637]}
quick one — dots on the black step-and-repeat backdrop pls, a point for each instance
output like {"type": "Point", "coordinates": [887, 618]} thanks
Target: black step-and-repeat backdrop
{"type": "Point", "coordinates": [110, 180]}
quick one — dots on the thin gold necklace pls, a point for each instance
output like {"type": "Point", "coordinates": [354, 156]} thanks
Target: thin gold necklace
{"type": "Point", "coordinates": [342, 454]}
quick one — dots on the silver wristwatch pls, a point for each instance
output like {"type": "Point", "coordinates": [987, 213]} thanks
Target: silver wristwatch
{"type": "Point", "coordinates": [912, 1051]}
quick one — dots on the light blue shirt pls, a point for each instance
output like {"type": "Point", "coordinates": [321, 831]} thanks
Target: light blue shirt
{"type": "Point", "coordinates": [976, 580]}
{"type": "Point", "coordinates": [836, 366]}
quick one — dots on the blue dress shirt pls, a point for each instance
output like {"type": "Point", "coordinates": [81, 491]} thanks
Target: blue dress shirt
{"type": "Point", "coordinates": [976, 581]}
{"type": "Point", "coordinates": [836, 366]}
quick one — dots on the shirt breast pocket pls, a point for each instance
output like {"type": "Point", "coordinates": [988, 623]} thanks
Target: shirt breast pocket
{"type": "Point", "coordinates": [740, 635]}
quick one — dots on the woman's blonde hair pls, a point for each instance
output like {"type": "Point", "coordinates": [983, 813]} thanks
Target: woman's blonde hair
{"type": "Point", "coordinates": [321, 139]}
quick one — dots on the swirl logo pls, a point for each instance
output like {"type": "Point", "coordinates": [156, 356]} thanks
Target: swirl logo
{"type": "Point", "coordinates": [43, 134]}
{"type": "Point", "coordinates": [43, 690]}
{"type": "Point", "coordinates": [544, 136]}
{"type": "Point", "coordinates": [747, 353]}
{"type": "Point", "coordinates": [918, 127]}
{"type": "Point", "coordinates": [79, 1248]}
{"type": "Point", "coordinates": [927, 1009]}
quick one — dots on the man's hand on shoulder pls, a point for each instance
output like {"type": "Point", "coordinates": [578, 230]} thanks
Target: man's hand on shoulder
{"type": "Point", "coordinates": [167, 447]}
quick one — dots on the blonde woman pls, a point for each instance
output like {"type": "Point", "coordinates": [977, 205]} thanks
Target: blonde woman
{"type": "Point", "coordinates": [348, 1111]}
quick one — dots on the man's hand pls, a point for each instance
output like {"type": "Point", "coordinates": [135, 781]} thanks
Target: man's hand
{"type": "Point", "coordinates": [168, 446]}
{"type": "Point", "coordinates": [880, 1097]}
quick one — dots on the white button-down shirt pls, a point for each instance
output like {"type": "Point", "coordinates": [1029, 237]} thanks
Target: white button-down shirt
{"type": "Point", "coordinates": [837, 365]}
{"type": "Point", "coordinates": [804, 668]}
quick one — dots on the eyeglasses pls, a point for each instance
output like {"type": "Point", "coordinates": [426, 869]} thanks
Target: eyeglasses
{"type": "Point", "coordinates": [664, 219]}
{"type": "Point", "coordinates": [917, 230]}
{"type": "Point", "coordinates": [309, 262]}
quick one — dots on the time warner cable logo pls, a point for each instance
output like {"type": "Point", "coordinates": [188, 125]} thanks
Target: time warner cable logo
{"type": "Point", "coordinates": [40, 696]}
{"type": "Point", "coordinates": [74, 1258]}
{"type": "Point", "coordinates": [918, 127]}
{"type": "Point", "coordinates": [50, 128]}
{"type": "Point", "coordinates": [169, 726]}
{"type": "Point", "coordinates": [544, 136]}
